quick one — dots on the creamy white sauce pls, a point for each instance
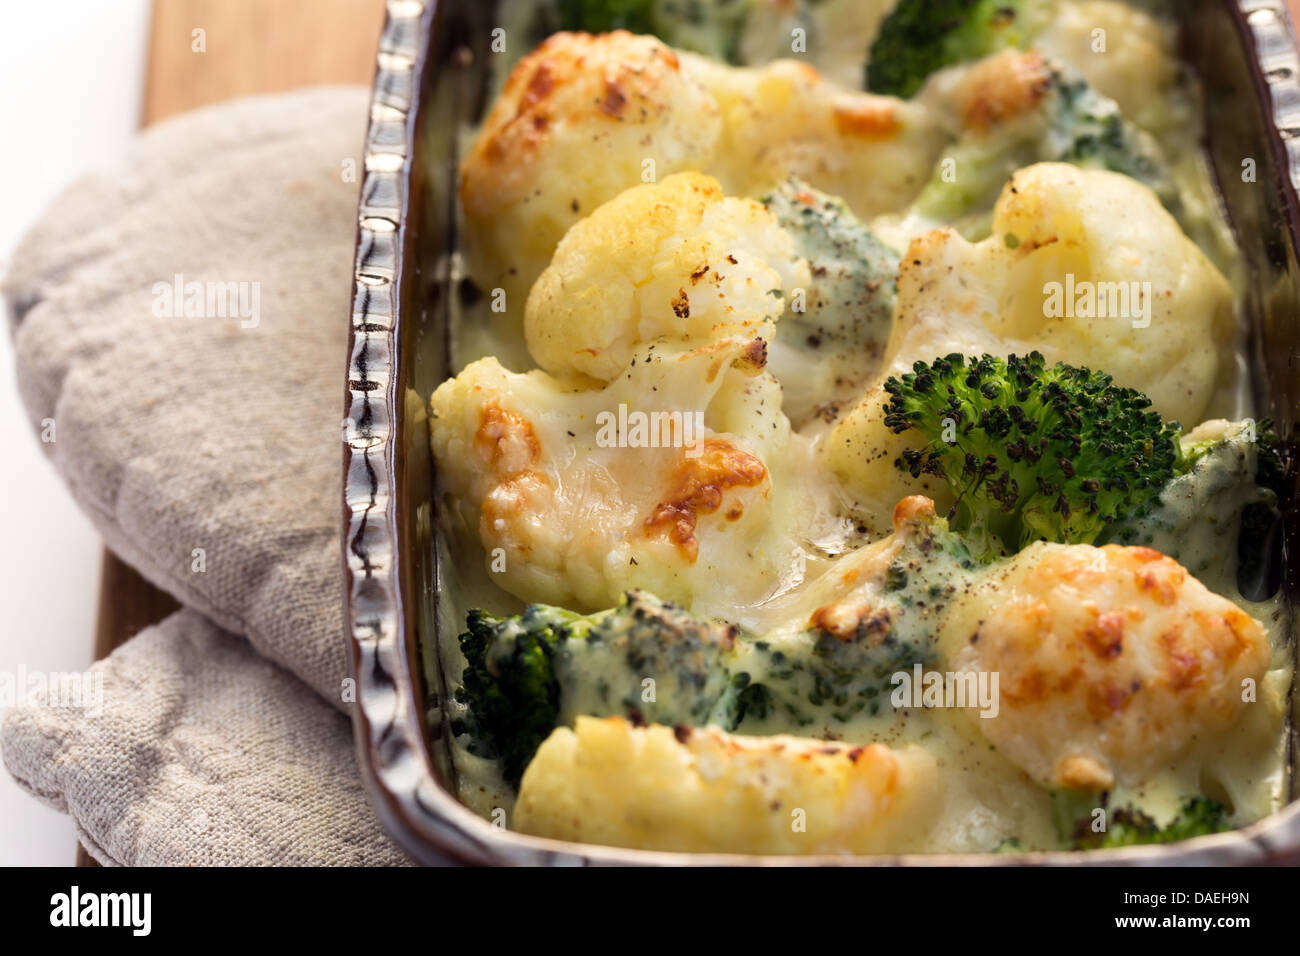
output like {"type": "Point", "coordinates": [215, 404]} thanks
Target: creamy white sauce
{"type": "Point", "coordinates": [987, 799]}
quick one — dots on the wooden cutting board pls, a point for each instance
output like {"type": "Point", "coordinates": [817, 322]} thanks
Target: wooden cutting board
{"type": "Point", "coordinates": [245, 47]}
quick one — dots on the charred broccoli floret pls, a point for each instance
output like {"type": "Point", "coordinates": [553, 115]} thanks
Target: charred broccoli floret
{"type": "Point", "coordinates": [922, 36]}
{"type": "Point", "coordinates": [1032, 451]}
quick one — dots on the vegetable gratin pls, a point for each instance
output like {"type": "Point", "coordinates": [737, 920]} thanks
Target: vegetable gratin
{"type": "Point", "coordinates": [851, 449]}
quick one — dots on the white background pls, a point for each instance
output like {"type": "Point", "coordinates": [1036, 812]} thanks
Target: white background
{"type": "Point", "coordinates": [71, 85]}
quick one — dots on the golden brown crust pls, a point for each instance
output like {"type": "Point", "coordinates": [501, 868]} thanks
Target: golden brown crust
{"type": "Point", "coordinates": [866, 118]}
{"type": "Point", "coordinates": [536, 91]}
{"type": "Point", "coordinates": [1112, 661]}
{"type": "Point", "coordinates": [914, 509]}
{"type": "Point", "coordinates": [696, 487]}
{"type": "Point", "coordinates": [672, 788]}
{"type": "Point", "coordinates": [506, 440]}
{"type": "Point", "coordinates": [1002, 87]}
{"type": "Point", "coordinates": [575, 125]}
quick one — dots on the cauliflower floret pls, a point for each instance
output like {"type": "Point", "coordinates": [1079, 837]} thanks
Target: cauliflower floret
{"type": "Point", "coordinates": [1059, 233]}
{"type": "Point", "coordinates": [582, 118]}
{"type": "Point", "coordinates": [576, 124]}
{"type": "Point", "coordinates": [1112, 662]}
{"type": "Point", "coordinates": [574, 507]}
{"type": "Point", "coordinates": [658, 309]}
{"type": "Point", "coordinates": [673, 261]}
{"type": "Point", "coordinates": [783, 120]}
{"type": "Point", "coordinates": [1125, 54]}
{"type": "Point", "coordinates": [1066, 239]}
{"type": "Point", "coordinates": [859, 448]}
{"type": "Point", "coordinates": [862, 453]}
{"type": "Point", "coordinates": [703, 790]}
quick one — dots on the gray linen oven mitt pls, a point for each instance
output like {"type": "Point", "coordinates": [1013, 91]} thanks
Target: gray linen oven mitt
{"type": "Point", "coordinates": [206, 451]}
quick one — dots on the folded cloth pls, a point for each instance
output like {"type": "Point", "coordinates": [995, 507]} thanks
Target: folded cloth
{"type": "Point", "coordinates": [180, 321]}
{"type": "Point", "coordinates": [205, 448]}
{"type": "Point", "coordinates": [203, 752]}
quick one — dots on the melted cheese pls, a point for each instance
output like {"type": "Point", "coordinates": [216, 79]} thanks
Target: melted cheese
{"type": "Point", "coordinates": [655, 788]}
{"type": "Point", "coordinates": [521, 467]}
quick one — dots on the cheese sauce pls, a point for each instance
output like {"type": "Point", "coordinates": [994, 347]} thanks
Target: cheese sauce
{"type": "Point", "coordinates": [986, 799]}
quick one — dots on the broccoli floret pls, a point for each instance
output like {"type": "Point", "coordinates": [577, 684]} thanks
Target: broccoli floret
{"type": "Point", "coordinates": [1129, 826]}
{"type": "Point", "coordinates": [850, 303]}
{"type": "Point", "coordinates": [922, 36]}
{"type": "Point", "coordinates": [1259, 537]}
{"type": "Point", "coordinates": [1030, 451]}
{"type": "Point", "coordinates": [653, 658]}
{"type": "Point", "coordinates": [834, 333]}
{"type": "Point", "coordinates": [602, 16]}
{"type": "Point", "coordinates": [1219, 515]}
{"type": "Point", "coordinates": [840, 667]}
{"type": "Point", "coordinates": [742, 698]}
{"type": "Point", "coordinates": [1270, 467]}
{"type": "Point", "coordinates": [1071, 123]}
{"type": "Point", "coordinates": [1087, 129]}
{"type": "Point", "coordinates": [509, 684]}
{"type": "Point", "coordinates": [713, 28]}
{"type": "Point", "coordinates": [650, 660]}
{"type": "Point", "coordinates": [527, 674]}
{"type": "Point", "coordinates": [816, 677]}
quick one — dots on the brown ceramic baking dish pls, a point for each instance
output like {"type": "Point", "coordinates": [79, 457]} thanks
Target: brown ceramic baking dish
{"type": "Point", "coordinates": [432, 78]}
